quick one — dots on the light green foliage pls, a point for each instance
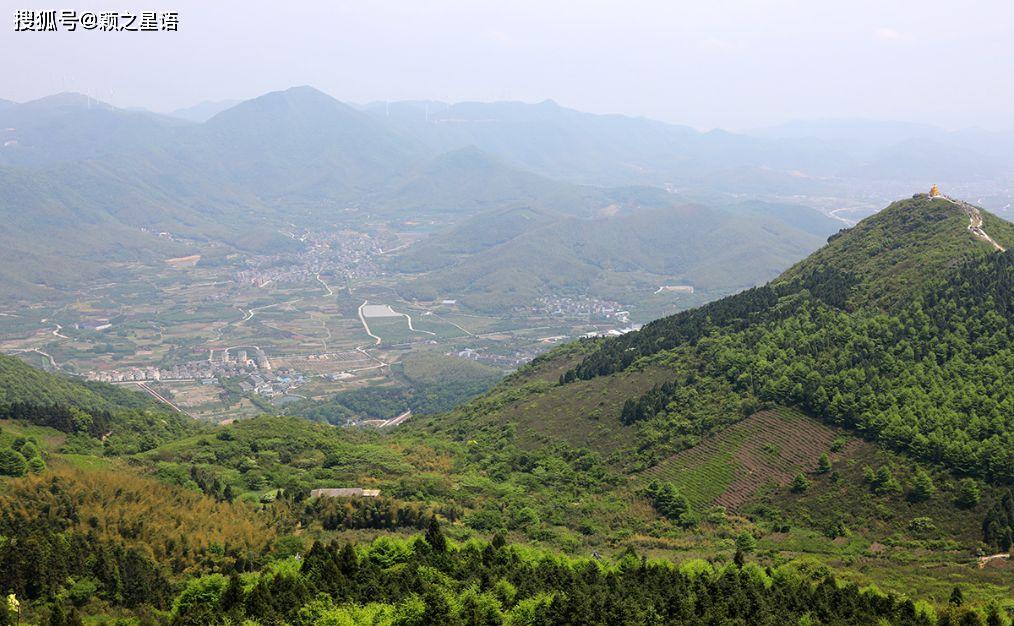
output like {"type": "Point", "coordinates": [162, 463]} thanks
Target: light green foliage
{"type": "Point", "coordinates": [197, 604]}
{"type": "Point", "coordinates": [746, 542]}
{"type": "Point", "coordinates": [922, 487]}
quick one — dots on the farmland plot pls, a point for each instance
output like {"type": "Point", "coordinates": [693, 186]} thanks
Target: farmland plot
{"type": "Point", "coordinates": [769, 447]}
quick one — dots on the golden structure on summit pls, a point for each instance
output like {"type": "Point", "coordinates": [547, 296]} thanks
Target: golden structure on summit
{"type": "Point", "coordinates": [934, 192]}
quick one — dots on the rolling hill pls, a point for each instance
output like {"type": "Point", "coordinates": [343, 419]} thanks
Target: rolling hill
{"type": "Point", "coordinates": [102, 182]}
{"type": "Point", "coordinates": [508, 258]}
{"type": "Point", "coordinates": [894, 338]}
{"type": "Point", "coordinates": [95, 416]}
{"type": "Point", "coordinates": [839, 437]}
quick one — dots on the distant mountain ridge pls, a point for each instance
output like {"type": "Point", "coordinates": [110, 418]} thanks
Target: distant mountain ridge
{"type": "Point", "coordinates": [101, 182]}
{"type": "Point", "coordinates": [203, 111]}
{"type": "Point", "coordinates": [512, 257]}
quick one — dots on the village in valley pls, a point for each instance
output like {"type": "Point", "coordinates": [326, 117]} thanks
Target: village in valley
{"type": "Point", "coordinates": [228, 337]}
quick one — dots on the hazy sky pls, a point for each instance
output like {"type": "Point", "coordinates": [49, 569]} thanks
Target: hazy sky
{"type": "Point", "coordinates": [707, 64]}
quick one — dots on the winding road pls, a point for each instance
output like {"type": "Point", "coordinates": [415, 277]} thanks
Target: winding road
{"type": "Point", "coordinates": [362, 318]}
{"type": "Point", "coordinates": [414, 329]}
{"type": "Point", "coordinates": [321, 281]}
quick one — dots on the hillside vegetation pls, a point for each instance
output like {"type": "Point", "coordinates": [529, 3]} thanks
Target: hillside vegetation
{"type": "Point", "coordinates": [99, 417]}
{"type": "Point", "coordinates": [832, 447]}
{"type": "Point", "coordinates": [524, 254]}
{"type": "Point", "coordinates": [929, 375]}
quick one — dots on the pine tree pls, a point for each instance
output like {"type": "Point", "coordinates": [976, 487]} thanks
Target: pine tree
{"type": "Point", "coordinates": [36, 465]}
{"type": "Point", "coordinates": [824, 464]}
{"type": "Point", "coordinates": [57, 616]}
{"type": "Point", "coordinates": [745, 542]}
{"type": "Point", "coordinates": [12, 463]}
{"type": "Point", "coordinates": [434, 536]}
{"type": "Point", "coordinates": [232, 595]}
{"type": "Point", "coordinates": [968, 494]}
{"type": "Point", "coordinates": [957, 596]}
{"type": "Point", "coordinates": [258, 603]}
{"type": "Point", "coordinates": [884, 482]}
{"type": "Point", "coordinates": [438, 609]}
{"type": "Point", "coordinates": [923, 487]}
{"type": "Point", "coordinates": [800, 483]}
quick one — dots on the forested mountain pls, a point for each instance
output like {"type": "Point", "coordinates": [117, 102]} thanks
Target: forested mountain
{"type": "Point", "coordinates": [97, 417]}
{"type": "Point", "coordinates": [301, 144]}
{"type": "Point", "coordinates": [102, 182]}
{"type": "Point", "coordinates": [831, 447]}
{"type": "Point", "coordinates": [524, 254]}
{"type": "Point", "coordinates": [898, 328]}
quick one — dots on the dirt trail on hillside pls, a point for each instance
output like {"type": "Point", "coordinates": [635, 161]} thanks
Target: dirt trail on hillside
{"type": "Point", "coordinates": [975, 222]}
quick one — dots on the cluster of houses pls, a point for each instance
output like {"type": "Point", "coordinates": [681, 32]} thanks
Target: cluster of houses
{"type": "Point", "coordinates": [272, 385]}
{"type": "Point", "coordinates": [193, 370]}
{"type": "Point", "coordinates": [586, 307]}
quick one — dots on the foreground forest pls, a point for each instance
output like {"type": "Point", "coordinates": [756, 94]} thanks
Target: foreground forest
{"type": "Point", "coordinates": [830, 448]}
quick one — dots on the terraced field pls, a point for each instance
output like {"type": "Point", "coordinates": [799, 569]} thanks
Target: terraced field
{"type": "Point", "coordinates": [769, 447]}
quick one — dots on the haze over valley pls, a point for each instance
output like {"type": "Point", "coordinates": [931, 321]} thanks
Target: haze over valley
{"type": "Point", "coordinates": [152, 246]}
{"type": "Point", "coordinates": [542, 314]}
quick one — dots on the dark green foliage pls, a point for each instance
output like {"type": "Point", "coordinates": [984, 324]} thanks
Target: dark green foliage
{"type": "Point", "coordinates": [968, 494]}
{"type": "Point", "coordinates": [957, 596]}
{"type": "Point", "coordinates": [389, 401]}
{"type": "Point", "coordinates": [732, 313]}
{"type": "Point", "coordinates": [739, 558]}
{"type": "Point", "coordinates": [19, 382]}
{"type": "Point", "coordinates": [900, 329]}
{"type": "Point", "coordinates": [998, 525]}
{"type": "Point", "coordinates": [884, 482]}
{"type": "Point", "coordinates": [800, 483]}
{"type": "Point", "coordinates": [434, 537]}
{"type": "Point", "coordinates": [35, 563]}
{"type": "Point", "coordinates": [930, 378]}
{"type": "Point", "coordinates": [12, 463]}
{"type": "Point", "coordinates": [130, 422]}
{"type": "Point", "coordinates": [922, 488]}
{"type": "Point", "coordinates": [669, 502]}
{"type": "Point", "coordinates": [379, 513]}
